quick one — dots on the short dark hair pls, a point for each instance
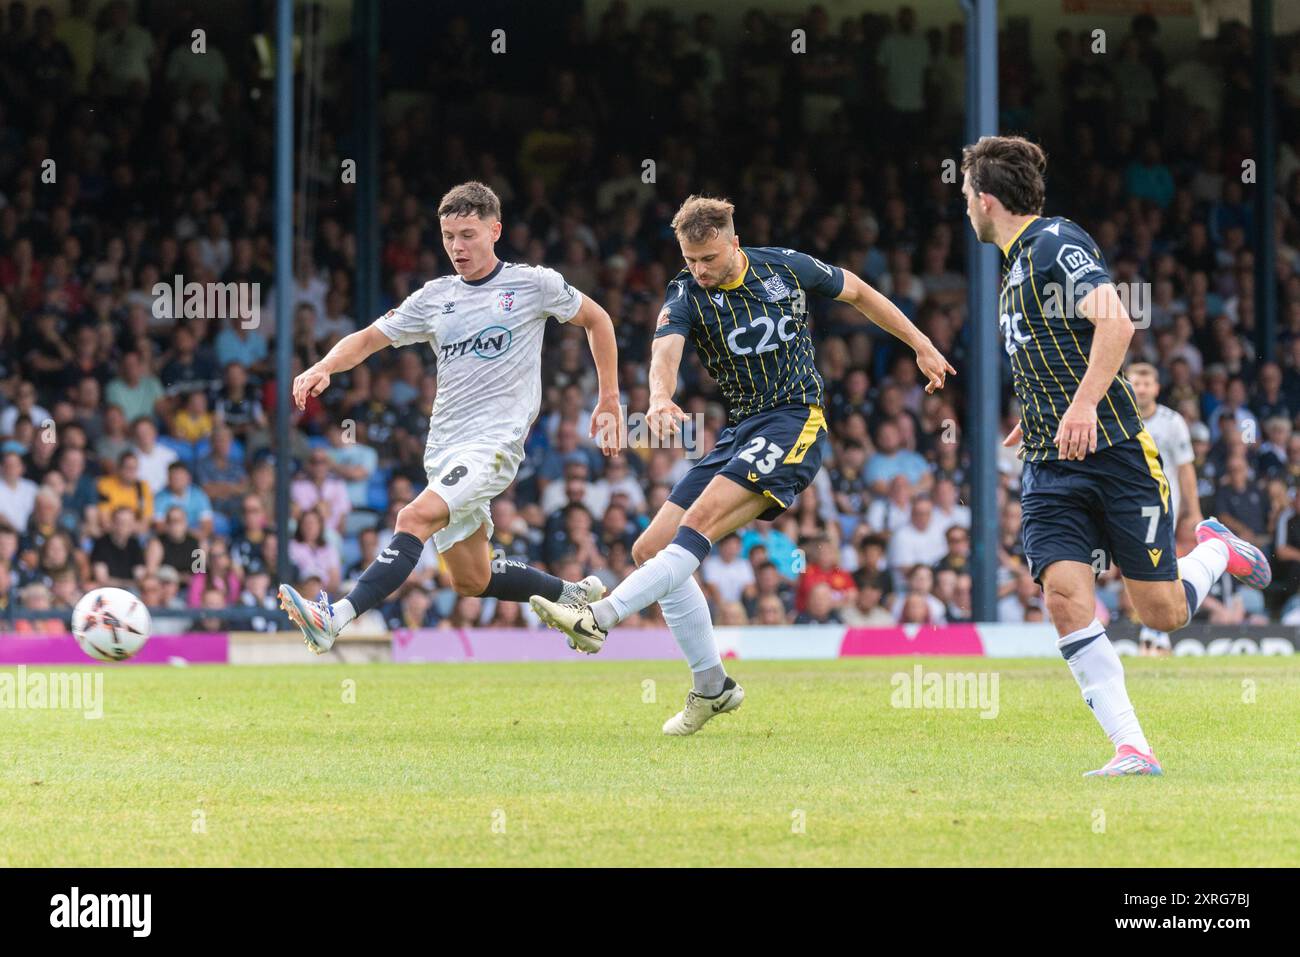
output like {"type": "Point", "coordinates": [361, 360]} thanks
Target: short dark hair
{"type": "Point", "coordinates": [702, 218]}
{"type": "Point", "coordinates": [470, 199]}
{"type": "Point", "coordinates": [1010, 168]}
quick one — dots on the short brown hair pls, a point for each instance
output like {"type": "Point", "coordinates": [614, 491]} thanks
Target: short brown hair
{"type": "Point", "coordinates": [701, 218]}
{"type": "Point", "coordinates": [1010, 168]}
{"type": "Point", "coordinates": [470, 199]}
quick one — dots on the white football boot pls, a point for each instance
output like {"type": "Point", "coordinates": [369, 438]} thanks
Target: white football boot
{"type": "Point", "coordinates": [700, 710]}
{"type": "Point", "coordinates": [577, 622]}
{"type": "Point", "coordinates": [580, 594]}
{"type": "Point", "coordinates": [314, 618]}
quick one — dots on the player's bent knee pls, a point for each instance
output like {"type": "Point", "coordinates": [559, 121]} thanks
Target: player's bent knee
{"type": "Point", "coordinates": [646, 547]}
{"type": "Point", "coordinates": [415, 521]}
{"type": "Point", "coordinates": [472, 583]}
{"type": "Point", "coordinates": [1165, 618]}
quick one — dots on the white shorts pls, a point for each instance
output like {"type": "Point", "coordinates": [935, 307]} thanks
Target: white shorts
{"type": "Point", "coordinates": [468, 477]}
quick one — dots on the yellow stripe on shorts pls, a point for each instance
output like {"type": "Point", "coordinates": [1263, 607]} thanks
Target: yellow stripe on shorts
{"type": "Point", "coordinates": [816, 422]}
{"type": "Point", "coordinates": [1153, 464]}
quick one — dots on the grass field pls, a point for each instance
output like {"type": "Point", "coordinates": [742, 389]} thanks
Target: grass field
{"type": "Point", "coordinates": [564, 764]}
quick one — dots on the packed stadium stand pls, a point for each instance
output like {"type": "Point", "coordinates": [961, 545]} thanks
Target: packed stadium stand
{"type": "Point", "coordinates": [134, 443]}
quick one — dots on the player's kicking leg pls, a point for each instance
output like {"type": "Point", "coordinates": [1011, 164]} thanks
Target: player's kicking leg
{"type": "Point", "coordinates": [321, 621]}
{"type": "Point", "coordinates": [686, 613]}
{"type": "Point", "coordinates": [722, 508]}
{"type": "Point", "coordinates": [755, 470]}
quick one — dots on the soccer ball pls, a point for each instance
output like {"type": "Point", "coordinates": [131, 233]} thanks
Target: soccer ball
{"type": "Point", "coordinates": [110, 624]}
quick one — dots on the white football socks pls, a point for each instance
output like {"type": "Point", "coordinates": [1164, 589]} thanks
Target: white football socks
{"type": "Point", "coordinates": [1201, 567]}
{"type": "Point", "coordinates": [343, 613]}
{"type": "Point", "coordinates": [686, 612]}
{"type": "Point", "coordinates": [648, 584]}
{"type": "Point", "coordinates": [1100, 674]}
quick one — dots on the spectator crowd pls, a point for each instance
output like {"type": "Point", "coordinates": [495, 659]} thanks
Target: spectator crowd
{"type": "Point", "coordinates": [136, 446]}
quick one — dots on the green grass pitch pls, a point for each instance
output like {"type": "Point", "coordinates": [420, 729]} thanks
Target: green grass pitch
{"type": "Point", "coordinates": [564, 764]}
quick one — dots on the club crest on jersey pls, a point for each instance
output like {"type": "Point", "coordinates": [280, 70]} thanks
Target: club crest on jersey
{"type": "Point", "coordinates": [505, 300]}
{"type": "Point", "coordinates": [1017, 274]}
{"type": "Point", "coordinates": [776, 289]}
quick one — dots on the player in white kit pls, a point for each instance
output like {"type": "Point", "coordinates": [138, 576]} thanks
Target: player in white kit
{"type": "Point", "coordinates": [1174, 442]}
{"type": "Point", "coordinates": [485, 325]}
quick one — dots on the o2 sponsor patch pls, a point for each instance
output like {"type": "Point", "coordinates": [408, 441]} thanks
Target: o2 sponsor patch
{"type": "Point", "coordinates": [1076, 261]}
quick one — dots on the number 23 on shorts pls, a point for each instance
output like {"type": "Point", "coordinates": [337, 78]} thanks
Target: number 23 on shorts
{"type": "Point", "coordinates": [755, 448]}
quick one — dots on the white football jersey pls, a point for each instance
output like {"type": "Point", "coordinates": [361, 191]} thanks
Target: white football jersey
{"type": "Point", "coordinates": [1174, 442]}
{"type": "Point", "coordinates": [487, 337]}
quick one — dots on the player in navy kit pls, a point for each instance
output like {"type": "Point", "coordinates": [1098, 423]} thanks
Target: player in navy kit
{"type": "Point", "coordinates": [745, 311]}
{"type": "Point", "coordinates": [1093, 483]}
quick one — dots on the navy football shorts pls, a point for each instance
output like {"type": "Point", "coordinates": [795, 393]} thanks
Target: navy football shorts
{"type": "Point", "coordinates": [1115, 502]}
{"type": "Point", "coordinates": [775, 453]}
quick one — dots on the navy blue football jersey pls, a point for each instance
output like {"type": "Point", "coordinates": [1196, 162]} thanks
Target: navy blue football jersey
{"type": "Point", "coordinates": [752, 334]}
{"type": "Point", "coordinates": [1047, 270]}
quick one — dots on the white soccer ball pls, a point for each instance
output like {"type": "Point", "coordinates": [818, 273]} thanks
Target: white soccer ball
{"type": "Point", "coordinates": [110, 624]}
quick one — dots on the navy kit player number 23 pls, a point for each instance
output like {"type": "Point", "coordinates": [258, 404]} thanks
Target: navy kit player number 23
{"type": "Point", "coordinates": [744, 310]}
{"type": "Point", "coordinates": [752, 336]}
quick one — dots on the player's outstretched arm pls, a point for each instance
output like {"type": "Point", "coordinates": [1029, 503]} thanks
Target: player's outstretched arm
{"type": "Point", "coordinates": [606, 425]}
{"type": "Point", "coordinates": [1077, 434]}
{"type": "Point", "coordinates": [664, 416]}
{"type": "Point", "coordinates": [348, 353]}
{"type": "Point", "coordinates": [887, 316]}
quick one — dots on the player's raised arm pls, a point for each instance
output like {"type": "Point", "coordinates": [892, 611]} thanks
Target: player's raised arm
{"type": "Point", "coordinates": [887, 316]}
{"type": "Point", "coordinates": [606, 417]}
{"type": "Point", "coordinates": [1077, 434]}
{"type": "Point", "coordinates": [348, 353]}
